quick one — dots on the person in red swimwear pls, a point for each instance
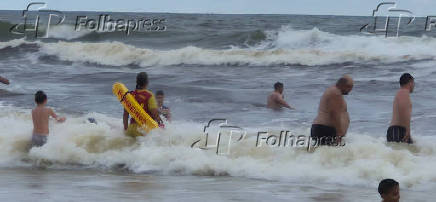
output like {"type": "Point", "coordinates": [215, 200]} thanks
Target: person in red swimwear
{"type": "Point", "coordinates": [147, 100]}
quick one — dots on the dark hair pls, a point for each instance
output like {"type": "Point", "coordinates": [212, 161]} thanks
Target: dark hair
{"type": "Point", "coordinates": [159, 92]}
{"type": "Point", "coordinates": [405, 79]}
{"type": "Point", "coordinates": [40, 97]}
{"type": "Point", "coordinates": [386, 186]}
{"type": "Point", "coordinates": [342, 81]}
{"type": "Point", "coordinates": [278, 85]}
{"type": "Point", "coordinates": [141, 80]}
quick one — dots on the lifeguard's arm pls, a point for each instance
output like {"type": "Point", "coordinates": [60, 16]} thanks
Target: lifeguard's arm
{"type": "Point", "coordinates": [4, 80]}
{"type": "Point", "coordinates": [125, 119]}
{"type": "Point", "coordinates": [53, 114]}
{"type": "Point", "coordinates": [282, 102]}
{"type": "Point", "coordinates": [152, 106]}
{"type": "Point", "coordinates": [405, 112]}
{"type": "Point", "coordinates": [155, 115]}
{"type": "Point", "coordinates": [335, 106]}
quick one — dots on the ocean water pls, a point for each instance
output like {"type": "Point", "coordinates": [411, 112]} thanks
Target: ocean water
{"type": "Point", "coordinates": [214, 66]}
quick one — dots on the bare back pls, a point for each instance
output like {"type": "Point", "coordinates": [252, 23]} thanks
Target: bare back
{"type": "Point", "coordinates": [332, 111]}
{"type": "Point", "coordinates": [275, 101]}
{"type": "Point", "coordinates": [40, 116]}
{"type": "Point", "coordinates": [272, 101]}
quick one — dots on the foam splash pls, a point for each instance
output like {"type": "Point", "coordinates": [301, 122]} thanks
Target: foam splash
{"type": "Point", "coordinates": [363, 161]}
{"type": "Point", "coordinates": [67, 32]}
{"type": "Point", "coordinates": [14, 43]}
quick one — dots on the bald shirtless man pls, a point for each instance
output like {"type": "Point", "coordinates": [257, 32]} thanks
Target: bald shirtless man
{"type": "Point", "coordinates": [333, 120]}
{"type": "Point", "coordinates": [4, 80]}
{"type": "Point", "coordinates": [399, 130]}
{"type": "Point", "coordinates": [275, 100]}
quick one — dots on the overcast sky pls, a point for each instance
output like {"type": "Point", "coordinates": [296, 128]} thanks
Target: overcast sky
{"type": "Point", "coordinates": [316, 7]}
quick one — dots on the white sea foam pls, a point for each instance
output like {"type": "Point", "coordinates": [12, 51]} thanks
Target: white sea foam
{"type": "Point", "coordinates": [66, 32]}
{"type": "Point", "coordinates": [365, 160]}
{"type": "Point", "coordinates": [13, 43]}
{"type": "Point", "coordinates": [305, 47]}
{"type": "Point", "coordinates": [286, 46]}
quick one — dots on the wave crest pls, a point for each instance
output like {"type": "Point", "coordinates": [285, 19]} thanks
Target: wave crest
{"type": "Point", "coordinates": [282, 47]}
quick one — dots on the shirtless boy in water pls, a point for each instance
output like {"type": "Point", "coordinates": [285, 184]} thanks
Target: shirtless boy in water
{"type": "Point", "coordinates": [40, 116]}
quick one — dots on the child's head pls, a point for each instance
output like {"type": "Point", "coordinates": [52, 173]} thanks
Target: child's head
{"type": "Point", "coordinates": [40, 97]}
{"type": "Point", "coordinates": [160, 97]}
{"type": "Point", "coordinates": [389, 190]}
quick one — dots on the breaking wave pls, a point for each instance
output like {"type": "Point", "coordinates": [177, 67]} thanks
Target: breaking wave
{"type": "Point", "coordinates": [363, 161]}
{"type": "Point", "coordinates": [285, 46]}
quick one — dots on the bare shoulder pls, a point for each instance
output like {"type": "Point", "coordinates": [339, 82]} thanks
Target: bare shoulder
{"type": "Point", "coordinates": [402, 94]}
{"type": "Point", "coordinates": [335, 99]}
{"type": "Point", "coordinates": [48, 110]}
{"type": "Point", "coordinates": [274, 95]}
{"type": "Point", "coordinates": [333, 93]}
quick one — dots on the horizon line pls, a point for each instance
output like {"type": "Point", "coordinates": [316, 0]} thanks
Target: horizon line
{"type": "Point", "coordinates": [200, 13]}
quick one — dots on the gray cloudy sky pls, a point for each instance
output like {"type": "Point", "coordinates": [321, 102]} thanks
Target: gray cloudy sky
{"type": "Point", "coordinates": [326, 7]}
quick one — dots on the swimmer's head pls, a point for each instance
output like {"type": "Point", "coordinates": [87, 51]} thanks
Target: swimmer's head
{"type": "Point", "coordinates": [345, 84]}
{"type": "Point", "coordinates": [141, 80]}
{"type": "Point", "coordinates": [389, 190]}
{"type": "Point", "coordinates": [160, 97]}
{"type": "Point", "coordinates": [407, 81]}
{"type": "Point", "coordinates": [278, 87]}
{"type": "Point", "coordinates": [40, 97]}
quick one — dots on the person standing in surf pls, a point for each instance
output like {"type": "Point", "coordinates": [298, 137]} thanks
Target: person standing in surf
{"type": "Point", "coordinates": [276, 100]}
{"type": "Point", "coordinates": [40, 118]}
{"type": "Point", "coordinates": [162, 109]}
{"type": "Point", "coordinates": [146, 99]}
{"type": "Point", "coordinates": [399, 130]}
{"type": "Point", "coordinates": [333, 119]}
{"type": "Point", "coordinates": [4, 80]}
